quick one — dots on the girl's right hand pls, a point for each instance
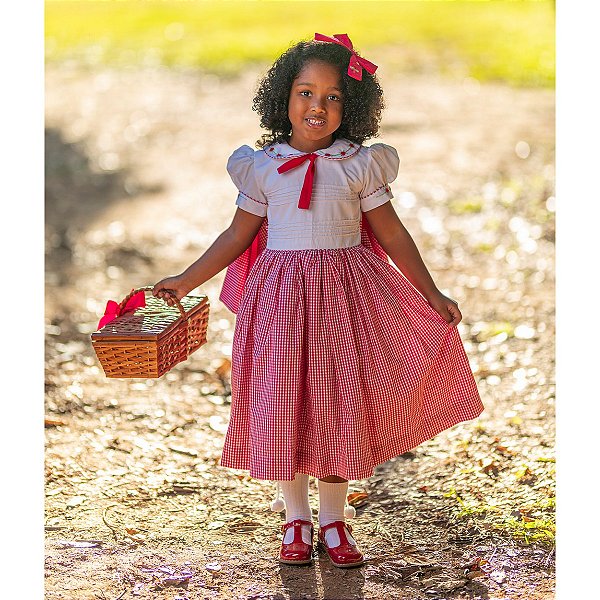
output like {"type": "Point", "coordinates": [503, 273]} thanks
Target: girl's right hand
{"type": "Point", "coordinates": [176, 284]}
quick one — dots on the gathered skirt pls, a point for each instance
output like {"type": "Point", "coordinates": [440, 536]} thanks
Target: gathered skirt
{"type": "Point", "coordinates": [338, 365]}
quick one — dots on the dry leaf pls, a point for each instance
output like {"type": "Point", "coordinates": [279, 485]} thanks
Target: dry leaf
{"type": "Point", "coordinates": [244, 526]}
{"type": "Point", "coordinates": [472, 569]}
{"type": "Point", "coordinates": [489, 466]}
{"type": "Point", "coordinates": [176, 579]}
{"type": "Point", "coordinates": [224, 368]}
{"type": "Point", "coordinates": [420, 560]}
{"type": "Point", "coordinates": [357, 499]}
{"type": "Point", "coordinates": [474, 574]}
{"type": "Point", "coordinates": [183, 450]}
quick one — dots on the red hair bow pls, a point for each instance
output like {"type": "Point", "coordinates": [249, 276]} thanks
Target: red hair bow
{"type": "Point", "coordinates": [357, 63]}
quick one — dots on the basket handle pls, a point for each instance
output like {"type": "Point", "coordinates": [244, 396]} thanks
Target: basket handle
{"type": "Point", "coordinates": [148, 288]}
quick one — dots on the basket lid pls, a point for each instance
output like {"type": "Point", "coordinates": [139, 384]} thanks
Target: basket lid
{"type": "Point", "coordinates": [151, 322]}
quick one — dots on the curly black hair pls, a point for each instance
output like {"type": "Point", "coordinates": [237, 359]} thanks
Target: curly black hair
{"type": "Point", "coordinates": [363, 100]}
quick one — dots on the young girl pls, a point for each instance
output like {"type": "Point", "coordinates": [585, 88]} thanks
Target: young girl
{"type": "Point", "coordinates": [339, 361]}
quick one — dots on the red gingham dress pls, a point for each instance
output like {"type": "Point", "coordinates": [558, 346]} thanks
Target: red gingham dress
{"type": "Point", "coordinates": [338, 363]}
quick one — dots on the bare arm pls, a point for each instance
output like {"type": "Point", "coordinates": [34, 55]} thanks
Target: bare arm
{"type": "Point", "coordinates": [401, 248]}
{"type": "Point", "coordinates": [223, 251]}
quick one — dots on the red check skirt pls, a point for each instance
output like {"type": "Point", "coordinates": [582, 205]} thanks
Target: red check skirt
{"type": "Point", "coordinates": [339, 364]}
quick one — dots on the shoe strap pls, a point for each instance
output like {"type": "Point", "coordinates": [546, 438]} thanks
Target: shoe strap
{"type": "Point", "coordinates": [340, 526]}
{"type": "Point", "coordinates": [297, 525]}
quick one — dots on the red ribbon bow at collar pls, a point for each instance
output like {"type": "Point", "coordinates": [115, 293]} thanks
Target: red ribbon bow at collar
{"type": "Point", "coordinates": [113, 311]}
{"type": "Point", "coordinates": [357, 63]}
{"type": "Point", "coordinates": [306, 193]}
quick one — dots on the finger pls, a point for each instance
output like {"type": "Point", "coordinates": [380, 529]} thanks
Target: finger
{"type": "Point", "coordinates": [455, 313]}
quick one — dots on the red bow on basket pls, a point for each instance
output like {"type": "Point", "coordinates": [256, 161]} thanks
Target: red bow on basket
{"type": "Point", "coordinates": [357, 62]}
{"type": "Point", "coordinates": [114, 310]}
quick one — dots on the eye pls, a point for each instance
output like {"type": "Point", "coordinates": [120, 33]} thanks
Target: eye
{"type": "Point", "coordinates": [304, 92]}
{"type": "Point", "coordinates": [334, 97]}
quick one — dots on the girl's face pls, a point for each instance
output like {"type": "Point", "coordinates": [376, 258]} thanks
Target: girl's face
{"type": "Point", "coordinates": [315, 106]}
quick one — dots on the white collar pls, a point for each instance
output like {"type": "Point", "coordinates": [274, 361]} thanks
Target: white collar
{"type": "Point", "coordinates": [339, 150]}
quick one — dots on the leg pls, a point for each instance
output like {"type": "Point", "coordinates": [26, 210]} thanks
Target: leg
{"type": "Point", "coordinates": [296, 547]}
{"type": "Point", "coordinates": [333, 479]}
{"type": "Point", "coordinates": [295, 494]}
{"type": "Point", "coordinates": [332, 500]}
{"type": "Point", "coordinates": [334, 534]}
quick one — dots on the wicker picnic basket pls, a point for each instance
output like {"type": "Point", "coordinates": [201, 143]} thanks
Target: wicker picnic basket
{"type": "Point", "coordinates": [149, 341]}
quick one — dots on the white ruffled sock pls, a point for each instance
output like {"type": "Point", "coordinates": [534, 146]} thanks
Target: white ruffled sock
{"type": "Point", "coordinates": [295, 494]}
{"type": "Point", "coordinates": [332, 501]}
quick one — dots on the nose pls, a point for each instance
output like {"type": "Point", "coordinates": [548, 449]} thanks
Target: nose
{"type": "Point", "coordinates": [318, 104]}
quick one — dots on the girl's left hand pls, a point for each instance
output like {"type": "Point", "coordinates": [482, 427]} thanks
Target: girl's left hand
{"type": "Point", "coordinates": [446, 307]}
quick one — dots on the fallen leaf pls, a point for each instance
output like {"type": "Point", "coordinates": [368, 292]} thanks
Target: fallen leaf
{"type": "Point", "coordinates": [474, 574]}
{"type": "Point", "coordinates": [244, 526]}
{"type": "Point", "coordinates": [357, 499]}
{"type": "Point", "coordinates": [215, 524]}
{"type": "Point", "coordinates": [420, 560]}
{"type": "Point", "coordinates": [213, 567]}
{"type": "Point", "coordinates": [224, 368]}
{"type": "Point", "coordinates": [53, 423]}
{"type": "Point", "coordinates": [183, 450]}
{"type": "Point", "coordinates": [472, 569]}
{"type": "Point", "coordinates": [489, 466]}
{"type": "Point", "coordinates": [176, 579]}
{"type": "Point", "coordinates": [505, 450]}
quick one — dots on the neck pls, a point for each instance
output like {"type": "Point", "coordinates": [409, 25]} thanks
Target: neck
{"type": "Point", "coordinates": [309, 145]}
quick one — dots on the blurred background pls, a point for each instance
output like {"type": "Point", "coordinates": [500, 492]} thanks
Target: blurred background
{"type": "Point", "coordinates": [146, 100]}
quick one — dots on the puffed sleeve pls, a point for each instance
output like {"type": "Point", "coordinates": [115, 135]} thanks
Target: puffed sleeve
{"type": "Point", "coordinates": [381, 170]}
{"type": "Point", "coordinates": [240, 167]}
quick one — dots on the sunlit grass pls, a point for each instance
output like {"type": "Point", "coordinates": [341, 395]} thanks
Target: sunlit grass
{"type": "Point", "coordinates": [537, 530]}
{"type": "Point", "coordinates": [499, 40]}
{"type": "Point", "coordinates": [541, 529]}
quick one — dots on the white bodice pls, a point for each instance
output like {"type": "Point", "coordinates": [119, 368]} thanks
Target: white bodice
{"type": "Point", "coordinates": [349, 179]}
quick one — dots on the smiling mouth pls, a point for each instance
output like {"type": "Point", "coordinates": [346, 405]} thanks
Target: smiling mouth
{"type": "Point", "coordinates": [315, 122]}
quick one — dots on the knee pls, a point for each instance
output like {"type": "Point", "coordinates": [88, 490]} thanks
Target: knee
{"type": "Point", "coordinates": [333, 479]}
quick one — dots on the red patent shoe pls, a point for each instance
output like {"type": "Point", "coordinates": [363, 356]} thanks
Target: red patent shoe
{"type": "Point", "coordinates": [297, 552]}
{"type": "Point", "coordinates": [346, 554]}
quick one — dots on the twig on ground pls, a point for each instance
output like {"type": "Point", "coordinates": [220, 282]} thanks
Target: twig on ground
{"type": "Point", "coordinates": [549, 555]}
{"type": "Point", "coordinates": [493, 553]}
{"type": "Point", "coordinates": [111, 527]}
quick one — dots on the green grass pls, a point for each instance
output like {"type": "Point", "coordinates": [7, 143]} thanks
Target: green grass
{"type": "Point", "coordinates": [510, 41]}
{"type": "Point", "coordinates": [528, 530]}
{"type": "Point", "coordinates": [542, 531]}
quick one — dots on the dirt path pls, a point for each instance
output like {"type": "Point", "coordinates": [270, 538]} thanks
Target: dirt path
{"type": "Point", "coordinates": [136, 505]}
